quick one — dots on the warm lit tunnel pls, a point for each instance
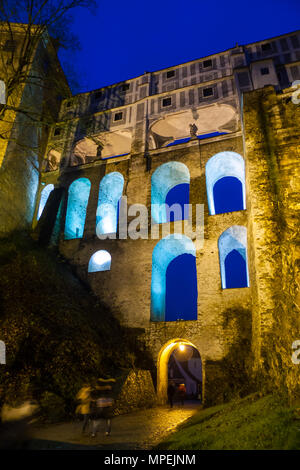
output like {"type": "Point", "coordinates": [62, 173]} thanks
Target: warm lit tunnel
{"type": "Point", "coordinates": [178, 346]}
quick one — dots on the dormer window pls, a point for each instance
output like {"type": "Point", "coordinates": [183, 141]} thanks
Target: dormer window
{"type": "Point", "coordinates": [171, 73]}
{"type": "Point", "coordinates": [125, 87]}
{"type": "Point", "coordinates": [207, 63]}
{"type": "Point", "coordinates": [266, 47]}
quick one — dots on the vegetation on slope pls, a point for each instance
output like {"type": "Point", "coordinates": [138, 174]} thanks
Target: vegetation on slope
{"type": "Point", "coordinates": [247, 424]}
{"type": "Point", "coordinates": [57, 334]}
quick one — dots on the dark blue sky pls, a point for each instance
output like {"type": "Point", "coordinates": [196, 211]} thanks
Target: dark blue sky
{"type": "Point", "coordinates": [126, 38]}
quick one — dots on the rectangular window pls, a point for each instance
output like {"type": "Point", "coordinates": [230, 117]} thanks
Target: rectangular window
{"type": "Point", "coordinates": [208, 92]}
{"type": "Point", "coordinates": [167, 102]}
{"type": "Point", "coordinates": [171, 73]}
{"type": "Point", "coordinates": [264, 71]}
{"type": "Point", "coordinates": [57, 131]}
{"type": "Point", "coordinates": [207, 63]}
{"type": "Point", "coordinates": [68, 104]}
{"type": "Point", "coordinates": [118, 116]}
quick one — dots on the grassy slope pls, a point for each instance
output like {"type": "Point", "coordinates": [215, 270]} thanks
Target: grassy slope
{"type": "Point", "coordinates": [57, 334]}
{"type": "Point", "coordinates": [250, 423]}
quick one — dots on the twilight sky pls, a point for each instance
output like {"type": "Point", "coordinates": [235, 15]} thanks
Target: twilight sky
{"type": "Point", "coordinates": [126, 38]}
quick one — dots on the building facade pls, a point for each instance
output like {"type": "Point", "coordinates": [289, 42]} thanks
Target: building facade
{"type": "Point", "coordinates": [200, 133]}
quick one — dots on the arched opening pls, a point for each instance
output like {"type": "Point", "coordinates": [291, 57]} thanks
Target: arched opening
{"type": "Point", "coordinates": [181, 289]}
{"type": "Point", "coordinates": [43, 199]}
{"type": "Point", "coordinates": [179, 361]}
{"type": "Point", "coordinates": [110, 192]}
{"type": "Point", "coordinates": [233, 257]}
{"type": "Point", "coordinates": [170, 184]}
{"type": "Point", "coordinates": [173, 271]}
{"type": "Point", "coordinates": [180, 194]}
{"type": "Point", "coordinates": [225, 183]}
{"type": "Point", "coordinates": [228, 195]}
{"type": "Point", "coordinates": [100, 261]}
{"type": "Point", "coordinates": [235, 270]}
{"type": "Point", "coordinates": [78, 196]}
{"type": "Point", "coordinates": [175, 128]}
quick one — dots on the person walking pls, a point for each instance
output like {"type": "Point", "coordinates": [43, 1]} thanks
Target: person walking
{"type": "Point", "coordinates": [171, 392]}
{"type": "Point", "coordinates": [182, 392]}
{"type": "Point", "coordinates": [102, 405]}
{"type": "Point", "coordinates": [84, 407]}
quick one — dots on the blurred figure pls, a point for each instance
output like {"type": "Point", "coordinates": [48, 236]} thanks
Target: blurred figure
{"type": "Point", "coordinates": [171, 392]}
{"type": "Point", "coordinates": [102, 399]}
{"type": "Point", "coordinates": [14, 426]}
{"type": "Point", "coordinates": [182, 393]}
{"type": "Point", "coordinates": [84, 407]}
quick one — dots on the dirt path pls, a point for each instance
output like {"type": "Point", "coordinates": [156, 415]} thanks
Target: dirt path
{"type": "Point", "coordinates": [139, 430]}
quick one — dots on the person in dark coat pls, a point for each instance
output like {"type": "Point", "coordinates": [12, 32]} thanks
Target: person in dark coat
{"type": "Point", "coordinates": [171, 392]}
{"type": "Point", "coordinates": [102, 407]}
{"type": "Point", "coordinates": [182, 393]}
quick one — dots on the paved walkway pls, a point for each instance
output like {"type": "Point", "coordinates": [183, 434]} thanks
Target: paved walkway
{"type": "Point", "coordinates": [139, 430]}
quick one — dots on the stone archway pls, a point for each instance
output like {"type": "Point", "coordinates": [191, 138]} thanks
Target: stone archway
{"type": "Point", "coordinates": [162, 366]}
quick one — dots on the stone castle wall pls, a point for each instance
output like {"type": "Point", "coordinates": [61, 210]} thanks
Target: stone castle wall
{"type": "Point", "coordinates": [224, 316]}
{"type": "Point", "coordinates": [272, 162]}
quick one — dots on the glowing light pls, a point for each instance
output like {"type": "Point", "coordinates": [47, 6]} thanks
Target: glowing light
{"type": "Point", "coordinates": [79, 192]}
{"type": "Point", "coordinates": [181, 347]}
{"type": "Point", "coordinates": [110, 192]}
{"type": "Point", "coordinates": [221, 165]}
{"type": "Point", "coordinates": [100, 261]}
{"type": "Point", "coordinates": [44, 197]}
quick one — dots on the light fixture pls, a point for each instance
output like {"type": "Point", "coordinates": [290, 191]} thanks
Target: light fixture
{"type": "Point", "coordinates": [181, 347]}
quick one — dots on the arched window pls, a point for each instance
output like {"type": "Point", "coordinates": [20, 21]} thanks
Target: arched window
{"type": "Point", "coordinates": [233, 257]}
{"type": "Point", "coordinates": [174, 279]}
{"type": "Point", "coordinates": [170, 185]}
{"type": "Point", "coordinates": [110, 192]}
{"type": "Point", "coordinates": [78, 197]}
{"type": "Point", "coordinates": [100, 261]}
{"type": "Point", "coordinates": [225, 183]}
{"type": "Point", "coordinates": [43, 199]}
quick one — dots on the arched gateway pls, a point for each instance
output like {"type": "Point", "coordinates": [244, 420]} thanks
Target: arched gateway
{"type": "Point", "coordinates": [162, 365]}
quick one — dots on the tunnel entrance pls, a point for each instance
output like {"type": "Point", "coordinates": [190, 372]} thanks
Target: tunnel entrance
{"type": "Point", "coordinates": [179, 362]}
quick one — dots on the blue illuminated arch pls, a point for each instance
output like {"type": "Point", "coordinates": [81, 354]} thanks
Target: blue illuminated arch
{"type": "Point", "coordinates": [100, 261]}
{"type": "Point", "coordinates": [225, 165]}
{"type": "Point", "coordinates": [167, 250]}
{"type": "Point", "coordinates": [110, 192]}
{"type": "Point", "coordinates": [233, 257]}
{"type": "Point", "coordinates": [164, 180]}
{"type": "Point", "coordinates": [43, 199]}
{"type": "Point", "coordinates": [78, 196]}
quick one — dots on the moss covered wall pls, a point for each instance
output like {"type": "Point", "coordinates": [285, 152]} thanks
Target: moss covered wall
{"type": "Point", "coordinates": [272, 131]}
